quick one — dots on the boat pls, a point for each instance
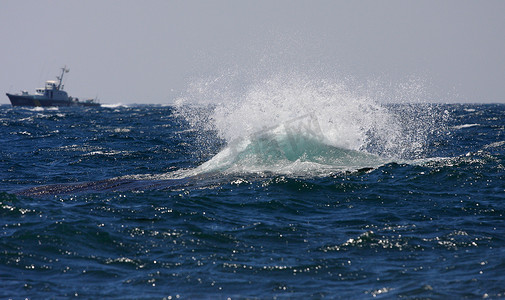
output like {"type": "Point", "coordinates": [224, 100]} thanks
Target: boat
{"type": "Point", "coordinates": [51, 95]}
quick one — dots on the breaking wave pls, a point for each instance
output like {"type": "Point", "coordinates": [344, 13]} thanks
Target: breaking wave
{"type": "Point", "coordinates": [294, 148]}
{"type": "Point", "coordinates": [296, 125]}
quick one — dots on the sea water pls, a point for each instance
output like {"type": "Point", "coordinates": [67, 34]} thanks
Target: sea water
{"type": "Point", "coordinates": [286, 189]}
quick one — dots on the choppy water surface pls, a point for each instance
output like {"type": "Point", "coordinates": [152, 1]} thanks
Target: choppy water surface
{"type": "Point", "coordinates": [263, 200]}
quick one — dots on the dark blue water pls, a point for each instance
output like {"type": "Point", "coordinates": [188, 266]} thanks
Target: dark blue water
{"type": "Point", "coordinates": [110, 203]}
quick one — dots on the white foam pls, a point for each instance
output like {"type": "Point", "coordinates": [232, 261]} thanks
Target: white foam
{"type": "Point", "coordinates": [114, 105]}
{"type": "Point", "coordinates": [338, 116]}
{"type": "Point", "coordinates": [465, 126]}
{"type": "Point", "coordinates": [40, 108]}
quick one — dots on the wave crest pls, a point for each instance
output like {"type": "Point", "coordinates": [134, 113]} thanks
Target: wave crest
{"type": "Point", "coordinates": [349, 128]}
{"type": "Point", "coordinates": [294, 147]}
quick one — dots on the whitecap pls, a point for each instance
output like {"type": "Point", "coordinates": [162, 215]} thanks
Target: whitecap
{"type": "Point", "coordinates": [464, 126]}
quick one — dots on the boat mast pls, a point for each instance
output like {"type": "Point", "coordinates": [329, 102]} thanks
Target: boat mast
{"type": "Point", "coordinates": [60, 78]}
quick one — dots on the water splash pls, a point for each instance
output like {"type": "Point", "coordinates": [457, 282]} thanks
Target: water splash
{"type": "Point", "coordinates": [341, 116]}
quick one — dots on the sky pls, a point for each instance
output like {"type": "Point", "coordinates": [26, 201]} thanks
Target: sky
{"type": "Point", "coordinates": [151, 51]}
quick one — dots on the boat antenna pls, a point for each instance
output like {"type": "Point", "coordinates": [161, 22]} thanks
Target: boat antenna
{"type": "Point", "coordinates": [60, 78]}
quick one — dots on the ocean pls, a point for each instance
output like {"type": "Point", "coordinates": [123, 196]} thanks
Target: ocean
{"type": "Point", "coordinates": [325, 197]}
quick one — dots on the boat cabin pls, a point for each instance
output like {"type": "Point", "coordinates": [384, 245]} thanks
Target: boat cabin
{"type": "Point", "coordinates": [52, 91]}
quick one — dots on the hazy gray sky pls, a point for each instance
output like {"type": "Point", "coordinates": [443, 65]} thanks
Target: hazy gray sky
{"type": "Point", "coordinates": [150, 51]}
